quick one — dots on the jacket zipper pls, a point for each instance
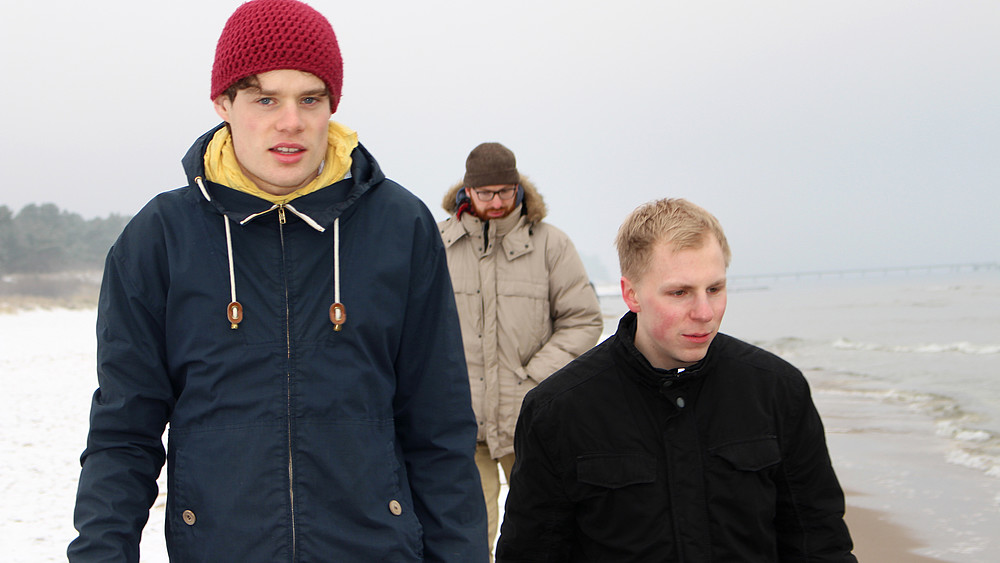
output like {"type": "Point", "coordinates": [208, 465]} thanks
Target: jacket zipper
{"type": "Point", "coordinates": [288, 379]}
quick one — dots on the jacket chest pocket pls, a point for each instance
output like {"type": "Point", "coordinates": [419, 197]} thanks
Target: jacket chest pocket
{"type": "Point", "coordinates": [614, 470]}
{"type": "Point", "coordinates": [753, 454]}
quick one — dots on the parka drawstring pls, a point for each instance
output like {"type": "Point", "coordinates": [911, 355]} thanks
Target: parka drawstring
{"type": "Point", "coordinates": [338, 315]}
{"type": "Point", "coordinates": [234, 311]}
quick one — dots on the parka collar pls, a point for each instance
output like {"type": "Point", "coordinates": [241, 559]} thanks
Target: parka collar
{"type": "Point", "coordinates": [534, 205]}
{"type": "Point", "coordinates": [514, 228]}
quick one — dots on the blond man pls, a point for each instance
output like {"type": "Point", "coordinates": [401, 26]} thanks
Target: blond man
{"type": "Point", "coordinates": [671, 441]}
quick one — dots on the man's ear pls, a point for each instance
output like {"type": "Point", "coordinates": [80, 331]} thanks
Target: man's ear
{"type": "Point", "coordinates": [222, 104]}
{"type": "Point", "coordinates": [629, 296]}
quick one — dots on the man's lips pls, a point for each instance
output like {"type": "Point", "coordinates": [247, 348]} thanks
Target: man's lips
{"type": "Point", "coordinates": [288, 153]}
{"type": "Point", "coordinates": [698, 337]}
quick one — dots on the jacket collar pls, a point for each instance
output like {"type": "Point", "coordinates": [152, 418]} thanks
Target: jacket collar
{"type": "Point", "coordinates": [642, 371]}
{"type": "Point", "coordinates": [322, 207]}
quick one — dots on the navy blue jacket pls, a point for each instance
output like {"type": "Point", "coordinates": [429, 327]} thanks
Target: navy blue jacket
{"type": "Point", "coordinates": [288, 441]}
{"type": "Point", "coordinates": [723, 462]}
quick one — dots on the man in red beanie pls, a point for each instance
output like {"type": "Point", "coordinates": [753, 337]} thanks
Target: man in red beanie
{"type": "Point", "coordinates": [290, 315]}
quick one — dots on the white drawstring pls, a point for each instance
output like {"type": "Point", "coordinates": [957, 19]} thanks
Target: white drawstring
{"type": "Point", "coordinates": [309, 220]}
{"type": "Point", "coordinates": [338, 314]}
{"type": "Point", "coordinates": [235, 310]}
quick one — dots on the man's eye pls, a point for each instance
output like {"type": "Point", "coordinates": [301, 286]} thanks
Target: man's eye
{"type": "Point", "coordinates": [309, 101]}
{"type": "Point", "coordinates": [265, 101]}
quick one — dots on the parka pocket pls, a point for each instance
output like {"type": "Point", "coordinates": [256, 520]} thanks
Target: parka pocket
{"type": "Point", "coordinates": [615, 470]}
{"type": "Point", "coordinates": [750, 455]}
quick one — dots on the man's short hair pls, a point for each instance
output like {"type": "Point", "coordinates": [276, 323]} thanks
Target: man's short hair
{"type": "Point", "coordinates": [677, 221]}
{"type": "Point", "coordinates": [248, 83]}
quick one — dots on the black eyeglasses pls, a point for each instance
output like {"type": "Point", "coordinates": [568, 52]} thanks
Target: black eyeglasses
{"type": "Point", "coordinates": [504, 193]}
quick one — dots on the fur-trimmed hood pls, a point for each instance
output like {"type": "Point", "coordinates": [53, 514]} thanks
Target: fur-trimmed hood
{"type": "Point", "coordinates": [534, 204]}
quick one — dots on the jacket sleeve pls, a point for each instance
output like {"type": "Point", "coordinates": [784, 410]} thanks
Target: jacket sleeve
{"type": "Point", "coordinates": [538, 523]}
{"type": "Point", "coordinates": [435, 424]}
{"type": "Point", "coordinates": [809, 523]}
{"type": "Point", "coordinates": [577, 321]}
{"type": "Point", "coordinates": [129, 412]}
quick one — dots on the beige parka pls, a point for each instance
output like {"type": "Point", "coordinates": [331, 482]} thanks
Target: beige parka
{"type": "Point", "coordinates": [525, 304]}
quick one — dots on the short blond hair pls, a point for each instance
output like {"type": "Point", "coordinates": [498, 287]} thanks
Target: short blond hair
{"type": "Point", "coordinates": [674, 221]}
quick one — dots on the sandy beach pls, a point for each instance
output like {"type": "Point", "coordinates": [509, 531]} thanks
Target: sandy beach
{"type": "Point", "coordinates": [876, 540]}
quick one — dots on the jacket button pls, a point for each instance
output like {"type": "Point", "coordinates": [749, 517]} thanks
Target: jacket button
{"type": "Point", "coordinates": [680, 402]}
{"type": "Point", "coordinates": [395, 508]}
{"type": "Point", "coordinates": [189, 517]}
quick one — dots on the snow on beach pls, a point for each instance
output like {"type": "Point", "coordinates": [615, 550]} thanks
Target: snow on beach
{"type": "Point", "coordinates": [47, 365]}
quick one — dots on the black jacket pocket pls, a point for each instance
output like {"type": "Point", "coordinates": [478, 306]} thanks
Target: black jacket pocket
{"type": "Point", "coordinates": [613, 470]}
{"type": "Point", "coordinates": [750, 455]}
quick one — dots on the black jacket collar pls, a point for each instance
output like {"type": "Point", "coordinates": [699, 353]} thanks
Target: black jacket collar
{"type": "Point", "coordinates": [640, 368]}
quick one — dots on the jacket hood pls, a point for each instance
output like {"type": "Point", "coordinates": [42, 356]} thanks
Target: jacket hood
{"type": "Point", "coordinates": [534, 204]}
{"type": "Point", "coordinates": [322, 206]}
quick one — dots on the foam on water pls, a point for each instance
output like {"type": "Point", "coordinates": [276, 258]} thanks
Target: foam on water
{"type": "Point", "coordinates": [959, 347]}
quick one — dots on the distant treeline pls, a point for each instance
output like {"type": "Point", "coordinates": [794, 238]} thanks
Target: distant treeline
{"type": "Point", "coordinates": [41, 239]}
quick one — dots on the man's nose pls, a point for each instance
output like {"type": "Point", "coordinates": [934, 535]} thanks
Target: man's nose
{"type": "Point", "coordinates": [702, 310]}
{"type": "Point", "coordinates": [290, 119]}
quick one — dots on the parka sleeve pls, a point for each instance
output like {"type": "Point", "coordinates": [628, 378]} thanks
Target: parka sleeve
{"type": "Point", "coordinates": [435, 424]}
{"type": "Point", "coordinates": [576, 316]}
{"type": "Point", "coordinates": [129, 411]}
{"type": "Point", "coordinates": [809, 522]}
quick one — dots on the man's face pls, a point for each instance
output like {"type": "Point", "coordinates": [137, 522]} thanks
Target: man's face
{"type": "Point", "coordinates": [497, 207]}
{"type": "Point", "coordinates": [279, 131]}
{"type": "Point", "coordinates": [679, 303]}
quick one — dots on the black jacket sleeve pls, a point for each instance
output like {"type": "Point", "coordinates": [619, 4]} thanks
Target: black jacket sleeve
{"type": "Point", "coordinates": [809, 522]}
{"type": "Point", "coordinates": [538, 517]}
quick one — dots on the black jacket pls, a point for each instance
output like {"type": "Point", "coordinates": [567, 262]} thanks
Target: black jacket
{"type": "Point", "coordinates": [724, 461]}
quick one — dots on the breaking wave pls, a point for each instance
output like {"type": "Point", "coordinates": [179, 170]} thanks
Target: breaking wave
{"type": "Point", "coordinates": [955, 347]}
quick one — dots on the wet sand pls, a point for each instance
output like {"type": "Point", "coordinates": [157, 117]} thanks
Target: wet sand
{"type": "Point", "coordinates": [877, 540]}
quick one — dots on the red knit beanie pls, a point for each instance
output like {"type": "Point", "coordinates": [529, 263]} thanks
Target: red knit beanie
{"type": "Point", "coordinates": [266, 35]}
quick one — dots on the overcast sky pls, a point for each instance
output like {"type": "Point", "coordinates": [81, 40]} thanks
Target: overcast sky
{"type": "Point", "coordinates": [824, 135]}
